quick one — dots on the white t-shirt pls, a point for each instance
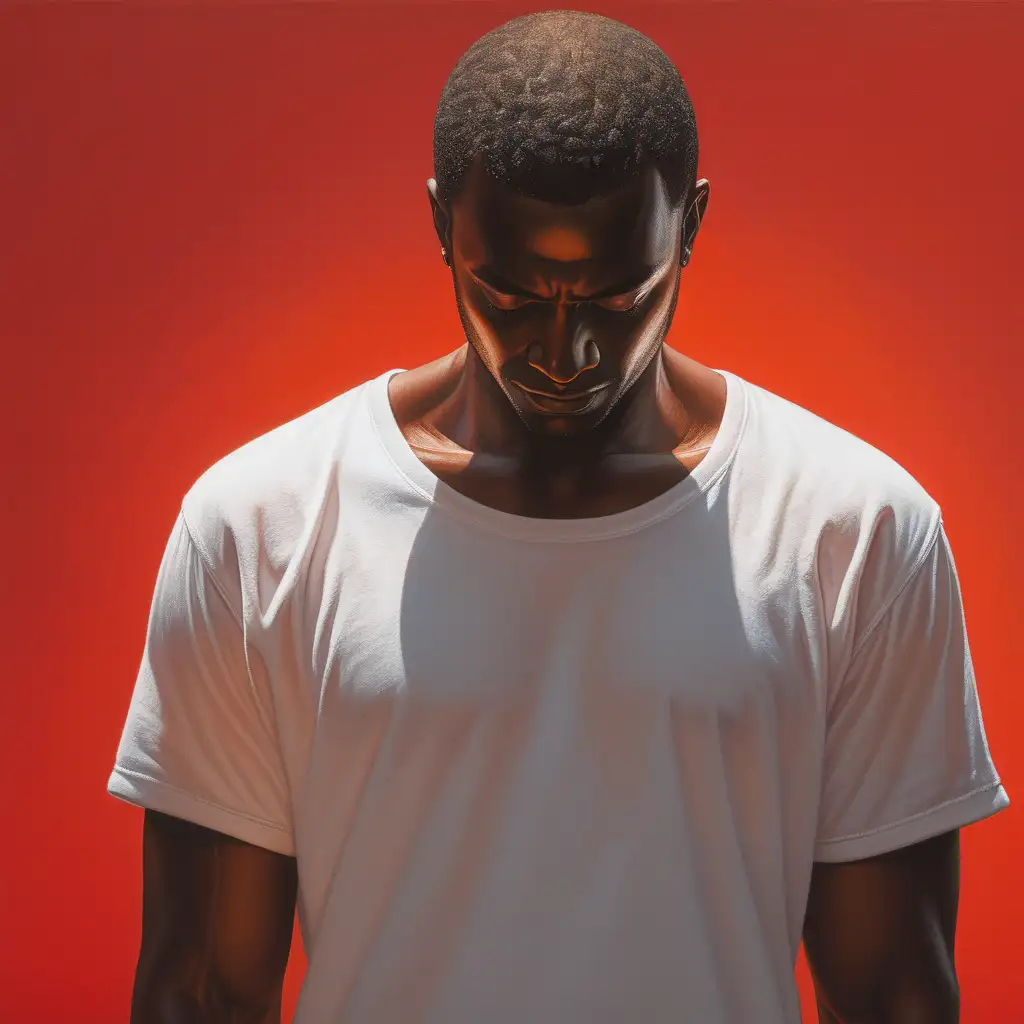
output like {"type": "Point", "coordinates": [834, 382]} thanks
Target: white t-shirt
{"type": "Point", "coordinates": [557, 770]}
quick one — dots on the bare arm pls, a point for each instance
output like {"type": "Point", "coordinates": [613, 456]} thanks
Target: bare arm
{"type": "Point", "coordinates": [879, 936]}
{"type": "Point", "coordinates": [217, 919]}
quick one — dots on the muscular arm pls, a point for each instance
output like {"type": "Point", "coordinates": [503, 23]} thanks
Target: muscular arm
{"type": "Point", "coordinates": [879, 936]}
{"type": "Point", "coordinates": [217, 919]}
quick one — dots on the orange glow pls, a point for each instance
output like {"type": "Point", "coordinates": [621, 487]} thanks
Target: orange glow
{"type": "Point", "coordinates": [214, 219]}
{"type": "Point", "coordinates": [562, 244]}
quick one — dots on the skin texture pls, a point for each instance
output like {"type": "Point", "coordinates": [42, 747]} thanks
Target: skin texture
{"type": "Point", "coordinates": [553, 298]}
{"type": "Point", "coordinates": [879, 936]}
{"type": "Point", "coordinates": [217, 919]}
{"type": "Point", "coordinates": [563, 298]}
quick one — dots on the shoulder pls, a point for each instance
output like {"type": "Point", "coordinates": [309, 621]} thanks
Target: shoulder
{"type": "Point", "coordinates": [865, 519]}
{"type": "Point", "coordinates": [248, 512]}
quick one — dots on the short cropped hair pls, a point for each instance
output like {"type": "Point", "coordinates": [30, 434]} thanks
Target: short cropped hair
{"type": "Point", "coordinates": [562, 106]}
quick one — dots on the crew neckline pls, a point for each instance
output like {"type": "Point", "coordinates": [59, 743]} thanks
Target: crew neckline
{"type": "Point", "coordinates": [434, 490]}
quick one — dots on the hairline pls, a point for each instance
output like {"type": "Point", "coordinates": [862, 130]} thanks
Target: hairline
{"type": "Point", "coordinates": [478, 163]}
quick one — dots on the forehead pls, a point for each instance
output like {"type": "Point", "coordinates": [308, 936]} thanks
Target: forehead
{"type": "Point", "coordinates": [635, 224]}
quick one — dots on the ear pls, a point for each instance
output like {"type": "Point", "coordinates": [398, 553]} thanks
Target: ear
{"type": "Point", "coordinates": [441, 215]}
{"type": "Point", "coordinates": [698, 204]}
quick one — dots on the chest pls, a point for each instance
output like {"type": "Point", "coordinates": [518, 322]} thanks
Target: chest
{"type": "Point", "coordinates": [454, 617]}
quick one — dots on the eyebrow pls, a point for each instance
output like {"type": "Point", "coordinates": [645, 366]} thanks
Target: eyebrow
{"type": "Point", "coordinates": [490, 279]}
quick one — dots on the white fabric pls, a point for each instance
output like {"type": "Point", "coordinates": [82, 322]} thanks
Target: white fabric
{"type": "Point", "coordinates": [550, 770]}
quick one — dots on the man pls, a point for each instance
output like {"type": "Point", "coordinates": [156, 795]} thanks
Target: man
{"type": "Point", "coordinates": [563, 678]}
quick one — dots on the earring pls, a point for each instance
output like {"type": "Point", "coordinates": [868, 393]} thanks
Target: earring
{"type": "Point", "coordinates": [687, 252]}
{"type": "Point", "coordinates": [444, 256]}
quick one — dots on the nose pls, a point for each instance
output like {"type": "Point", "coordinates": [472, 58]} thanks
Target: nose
{"type": "Point", "coordinates": [562, 359]}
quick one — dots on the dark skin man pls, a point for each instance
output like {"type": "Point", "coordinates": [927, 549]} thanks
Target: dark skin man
{"type": "Point", "coordinates": [531, 418]}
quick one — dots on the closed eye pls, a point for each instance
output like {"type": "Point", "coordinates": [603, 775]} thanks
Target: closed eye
{"type": "Point", "coordinates": [627, 302]}
{"type": "Point", "coordinates": [504, 303]}
{"type": "Point", "coordinates": [620, 303]}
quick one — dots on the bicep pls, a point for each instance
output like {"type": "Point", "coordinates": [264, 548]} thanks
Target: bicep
{"type": "Point", "coordinates": [879, 932]}
{"type": "Point", "coordinates": [217, 916]}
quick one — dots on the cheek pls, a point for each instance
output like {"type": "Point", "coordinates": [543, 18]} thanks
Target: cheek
{"type": "Point", "coordinates": [479, 325]}
{"type": "Point", "coordinates": [648, 333]}
{"type": "Point", "coordinates": [475, 323]}
{"type": "Point", "coordinates": [490, 329]}
{"type": "Point", "coordinates": [492, 345]}
{"type": "Point", "coordinates": [650, 326]}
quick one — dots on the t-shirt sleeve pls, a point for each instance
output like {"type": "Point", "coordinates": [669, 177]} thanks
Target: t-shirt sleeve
{"type": "Point", "coordinates": [199, 742]}
{"type": "Point", "coordinates": [906, 757]}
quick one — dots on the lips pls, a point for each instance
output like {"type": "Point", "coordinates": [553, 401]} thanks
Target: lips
{"type": "Point", "coordinates": [568, 403]}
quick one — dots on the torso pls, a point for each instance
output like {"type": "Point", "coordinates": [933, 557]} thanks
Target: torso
{"type": "Point", "coordinates": [540, 770]}
{"type": "Point", "coordinates": [621, 483]}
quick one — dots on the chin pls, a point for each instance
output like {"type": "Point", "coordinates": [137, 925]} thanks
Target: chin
{"type": "Point", "coordinates": [567, 426]}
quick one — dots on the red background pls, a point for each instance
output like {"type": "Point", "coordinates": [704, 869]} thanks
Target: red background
{"type": "Point", "coordinates": [214, 218]}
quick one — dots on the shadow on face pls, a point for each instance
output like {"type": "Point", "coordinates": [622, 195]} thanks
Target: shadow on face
{"type": "Point", "coordinates": [565, 305]}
